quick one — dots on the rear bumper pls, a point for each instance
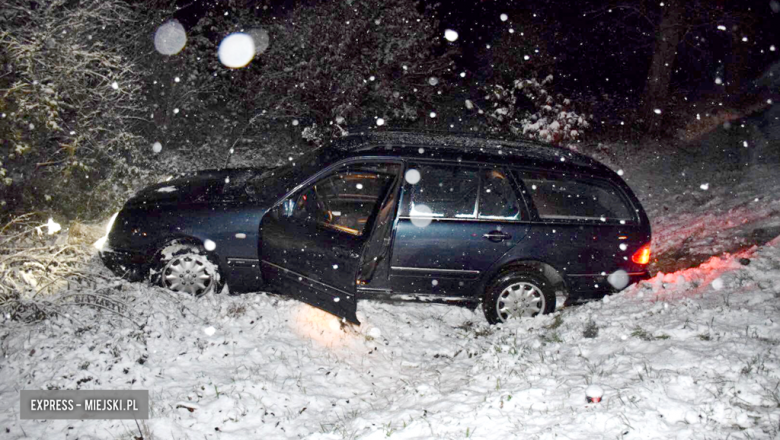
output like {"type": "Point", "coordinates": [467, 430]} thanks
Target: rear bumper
{"type": "Point", "coordinates": [594, 286]}
{"type": "Point", "coordinates": [130, 265]}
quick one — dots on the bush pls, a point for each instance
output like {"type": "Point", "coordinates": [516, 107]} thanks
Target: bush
{"type": "Point", "coordinates": [528, 109]}
{"type": "Point", "coordinates": [70, 96]}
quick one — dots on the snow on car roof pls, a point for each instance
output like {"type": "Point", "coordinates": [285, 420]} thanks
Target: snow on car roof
{"type": "Point", "coordinates": [465, 142]}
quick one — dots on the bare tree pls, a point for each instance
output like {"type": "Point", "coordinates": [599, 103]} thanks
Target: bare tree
{"type": "Point", "coordinates": [659, 76]}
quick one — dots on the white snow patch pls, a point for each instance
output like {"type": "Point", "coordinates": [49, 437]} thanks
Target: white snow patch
{"type": "Point", "coordinates": [167, 189]}
{"type": "Point", "coordinates": [209, 331]}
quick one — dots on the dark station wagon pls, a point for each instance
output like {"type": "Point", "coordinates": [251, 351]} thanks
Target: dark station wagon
{"type": "Point", "coordinates": [389, 216]}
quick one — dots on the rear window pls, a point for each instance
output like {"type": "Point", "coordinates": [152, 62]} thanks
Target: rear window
{"type": "Point", "coordinates": [562, 197]}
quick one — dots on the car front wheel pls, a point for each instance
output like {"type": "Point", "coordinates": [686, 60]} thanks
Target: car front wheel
{"type": "Point", "coordinates": [518, 293]}
{"type": "Point", "coordinates": [186, 268]}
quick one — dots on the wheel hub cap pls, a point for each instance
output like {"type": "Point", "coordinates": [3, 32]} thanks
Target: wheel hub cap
{"type": "Point", "coordinates": [188, 273]}
{"type": "Point", "coordinates": [520, 300]}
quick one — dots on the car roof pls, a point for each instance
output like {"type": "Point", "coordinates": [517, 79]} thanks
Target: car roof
{"type": "Point", "coordinates": [462, 146]}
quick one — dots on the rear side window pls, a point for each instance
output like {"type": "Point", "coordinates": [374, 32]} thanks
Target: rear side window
{"type": "Point", "coordinates": [460, 192]}
{"type": "Point", "coordinates": [561, 197]}
{"type": "Point", "coordinates": [497, 199]}
{"type": "Point", "coordinates": [443, 192]}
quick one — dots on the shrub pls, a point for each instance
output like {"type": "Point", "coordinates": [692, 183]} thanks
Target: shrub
{"type": "Point", "coordinates": [70, 96]}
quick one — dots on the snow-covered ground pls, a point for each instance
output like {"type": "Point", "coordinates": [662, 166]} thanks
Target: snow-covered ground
{"type": "Point", "coordinates": [703, 199]}
{"type": "Point", "coordinates": [690, 354]}
{"type": "Point", "coordinates": [687, 355]}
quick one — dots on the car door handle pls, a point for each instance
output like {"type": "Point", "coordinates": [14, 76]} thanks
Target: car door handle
{"type": "Point", "coordinates": [342, 252]}
{"type": "Point", "coordinates": [497, 236]}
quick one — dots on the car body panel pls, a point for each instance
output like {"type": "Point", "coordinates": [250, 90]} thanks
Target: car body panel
{"type": "Point", "coordinates": [234, 209]}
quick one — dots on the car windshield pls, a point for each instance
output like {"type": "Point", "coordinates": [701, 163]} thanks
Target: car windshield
{"type": "Point", "coordinates": [283, 178]}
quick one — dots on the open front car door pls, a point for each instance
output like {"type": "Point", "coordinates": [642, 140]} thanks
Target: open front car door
{"type": "Point", "coordinates": [311, 244]}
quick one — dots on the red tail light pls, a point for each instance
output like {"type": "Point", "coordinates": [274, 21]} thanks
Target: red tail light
{"type": "Point", "coordinates": [642, 256]}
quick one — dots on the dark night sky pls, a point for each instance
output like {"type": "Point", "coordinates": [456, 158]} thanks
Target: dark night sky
{"type": "Point", "coordinates": [591, 44]}
{"type": "Point", "coordinates": [605, 47]}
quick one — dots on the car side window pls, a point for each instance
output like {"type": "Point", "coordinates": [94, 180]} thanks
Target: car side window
{"type": "Point", "coordinates": [562, 197]}
{"type": "Point", "coordinates": [345, 200]}
{"type": "Point", "coordinates": [497, 198]}
{"type": "Point", "coordinates": [442, 191]}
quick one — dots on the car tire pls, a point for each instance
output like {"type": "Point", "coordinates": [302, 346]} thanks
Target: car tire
{"type": "Point", "coordinates": [518, 293]}
{"type": "Point", "coordinates": [186, 268]}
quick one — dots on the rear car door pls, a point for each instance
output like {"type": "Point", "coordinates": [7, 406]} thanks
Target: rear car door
{"type": "Point", "coordinates": [312, 242]}
{"type": "Point", "coordinates": [587, 225]}
{"type": "Point", "coordinates": [456, 220]}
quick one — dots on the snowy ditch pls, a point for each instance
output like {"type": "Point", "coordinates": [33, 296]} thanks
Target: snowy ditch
{"type": "Point", "coordinates": [692, 354]}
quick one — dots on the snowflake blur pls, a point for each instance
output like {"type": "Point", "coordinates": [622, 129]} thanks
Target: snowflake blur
{"type": "Point", "coordinates": [236, 50]}
{"type": "Point", "coordinates": [170, 38]}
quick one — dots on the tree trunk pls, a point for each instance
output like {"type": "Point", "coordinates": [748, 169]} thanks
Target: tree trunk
{"type": "Point", "coordinates": [657, 86]}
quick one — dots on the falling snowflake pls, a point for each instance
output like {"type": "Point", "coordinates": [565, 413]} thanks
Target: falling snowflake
{"type": "Point", "coordinates": [412, 176]}
{"type": "Point", "coordinates": [450, 35]}
{"type": "Point", "coordinates": [236, 50]}
{"type": "Point", "coordinates": [170, 38]}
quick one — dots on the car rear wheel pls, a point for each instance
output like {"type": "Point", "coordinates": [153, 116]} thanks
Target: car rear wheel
{"type": "Point", "coordinates": [186, 268]}
{"type": "Point", "coordinates": [516, 294]}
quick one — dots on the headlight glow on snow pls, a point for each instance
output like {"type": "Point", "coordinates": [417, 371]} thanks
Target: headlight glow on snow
{"type": "Point", "coordinates": [320, 326]}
